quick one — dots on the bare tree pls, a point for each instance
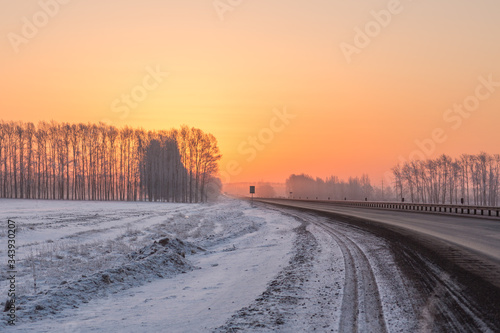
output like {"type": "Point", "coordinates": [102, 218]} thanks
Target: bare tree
{"type": "Point", "coordinates": [100, 162]}
{"type": "Point", "coordinates": [446, 180]}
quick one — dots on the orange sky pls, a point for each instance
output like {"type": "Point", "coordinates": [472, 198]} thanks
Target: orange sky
{"type": "Point", "coordinates": [353, 111]}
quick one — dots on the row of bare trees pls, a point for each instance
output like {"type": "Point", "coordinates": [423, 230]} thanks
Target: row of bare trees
{"type": "Point", "coordinates": [475, 178]}
{"type": "Point", "coordinates": [355, 188]}
{"type": "Point", "coordinates": [102, 162]}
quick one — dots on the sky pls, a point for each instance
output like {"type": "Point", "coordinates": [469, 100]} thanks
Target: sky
{"type": "Point", "coordinates": [317, 87]}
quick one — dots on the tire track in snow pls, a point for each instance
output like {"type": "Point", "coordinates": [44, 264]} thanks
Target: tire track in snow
{"type": "Point", "coordinates": [448, 290]}
{"type": "Point", "coordinates": [361, 305]}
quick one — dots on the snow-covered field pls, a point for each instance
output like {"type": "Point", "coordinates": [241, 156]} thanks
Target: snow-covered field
{"type": "Point", "coordinates": [97, 268]}
{"type": "Point", "coordinates": [222, 267]}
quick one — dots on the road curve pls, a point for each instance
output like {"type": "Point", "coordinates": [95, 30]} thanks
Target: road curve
{"type": "Point", "coordinates": [478, 235]}
{"type": "Point", "coordinates": [454, 263]}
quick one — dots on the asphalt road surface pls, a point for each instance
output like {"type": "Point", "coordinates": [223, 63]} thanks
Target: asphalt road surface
{"type": "Point", "coordinates": [455, 260]}
{"type": "Point", "coordinates": [479, 235]}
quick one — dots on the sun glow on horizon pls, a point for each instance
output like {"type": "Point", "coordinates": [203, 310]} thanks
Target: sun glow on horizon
{"type": "Point", "coordinates": [159, 65]}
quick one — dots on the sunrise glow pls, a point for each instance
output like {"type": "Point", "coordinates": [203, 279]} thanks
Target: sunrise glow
{"type": "Point", "coordinates": [365, 85]}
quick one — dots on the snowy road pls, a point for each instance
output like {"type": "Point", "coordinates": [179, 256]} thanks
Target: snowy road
{"type": "Point", "coordinates": [462, 283]}
{"type": "Point", "coordinates": [472, 243]}
{"type": "Point", "coordinates": [476, 234]}
{"type": "Point", "coordinates": [224, 267]}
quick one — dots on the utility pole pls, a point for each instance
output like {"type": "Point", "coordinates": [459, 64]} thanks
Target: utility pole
{"type": "Point", "coordinates": [382, 189]}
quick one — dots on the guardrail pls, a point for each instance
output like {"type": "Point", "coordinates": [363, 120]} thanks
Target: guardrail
{"type": "Point", "coordinates": [458, 210]}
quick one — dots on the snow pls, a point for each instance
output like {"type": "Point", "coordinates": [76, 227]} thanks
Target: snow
{"type": "Point", "coordinates": [221, 267]}
{"type": "Point", "coordinates": [231, 252]}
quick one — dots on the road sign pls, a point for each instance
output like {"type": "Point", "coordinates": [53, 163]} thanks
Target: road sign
{"type": "Point", "coordinates": [252, 191]}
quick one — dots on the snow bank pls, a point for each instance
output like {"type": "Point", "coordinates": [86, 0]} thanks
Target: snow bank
{"type": "Point", "coordinates": [161, 259]}
{"type": "Point", "coordinates": [95, 274]}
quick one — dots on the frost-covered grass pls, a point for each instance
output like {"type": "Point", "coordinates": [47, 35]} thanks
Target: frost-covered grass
{"type": "Point", "coordinates": [63, 240]}
{"type": "Point", "coordinates": [71, 253]}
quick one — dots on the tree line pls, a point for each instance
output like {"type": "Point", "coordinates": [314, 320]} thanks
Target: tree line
{"type": "Point", "coordinates": [101, 162]}
{"type": "Point", "coordinates": [332, 188]}
{"type": "Point", "coordinates": [475, 178]}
